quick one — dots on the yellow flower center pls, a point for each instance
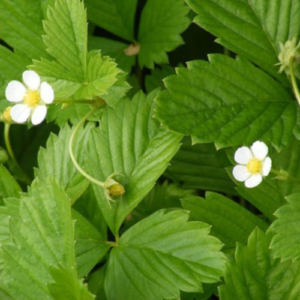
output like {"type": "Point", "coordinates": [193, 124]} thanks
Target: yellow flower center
{"type": "Point", "coordinates": [6, 116]}
{"type": "Point", "coordinates": [32, 98]}
{"type": "Point", "coordinates": [254, 166]}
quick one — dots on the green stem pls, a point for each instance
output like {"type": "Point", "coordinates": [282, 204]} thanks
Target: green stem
{"type": "Point", "coordinates": [24, 176]}
{"type": "Point", "coordinates": [294, 82]}
{"type": "Point", "coordinates": [286, 174]}
{"type": "Point", "coordinates": [86, 175]}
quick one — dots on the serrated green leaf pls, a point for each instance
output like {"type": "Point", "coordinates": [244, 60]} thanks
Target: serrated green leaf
{"type": "Point", "coordinates": [90, 247]}
{"type": "Point", "coordinates": [116, 16]}
{"type": "Point", "coordinates": [230, 222]}
{"type": "Point", "coordinates": [257, 276]}
{"type": "Point", "coordinates": [21, 27]}
{"type": "Point", "coordinates": [251, 28]}
{"type": "Point", "coordinates": [55, 161]}
{"type": "Point", "coordinates": [66, 35]}
{"type": "Point", "coordinates": [201, 167]}
{"type": "Point", "coordinates": [162, 255]}
{"type": "Point", "coordinates": [113, 49]}
{"type": "Point", "coordinates": [8, 185]}
{"type": "Point", "coordinates": [101, 75]}
{"type": "Point", "coordinates": [42, 237]}
{"type": "Point", "coordinates": [67, 286]}
{"type": "Point", "coordinates": [271, 193]}
{"type": "Point", "coordinates": [130, 142]}
{"type": "Point", "coordinates": [159, 30]}
{"type": "Point", "coordinates": [285, 243]}
{"type": "Point", "coordinates": [229, 102]}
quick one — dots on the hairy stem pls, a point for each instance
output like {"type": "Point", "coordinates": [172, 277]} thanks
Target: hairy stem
{"type": "Point", "coordinates": [294, 82]}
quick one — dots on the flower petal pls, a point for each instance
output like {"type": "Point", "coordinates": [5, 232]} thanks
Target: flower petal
{"type": "Point", "coordinates": [243, 155]}
{"type": "Point", "coordinates": [15, 91]}
{"type": "Point", "coordinates": [20, 113]}
{"type": "Point", "coordinates": [39, 114]}
{"type": "Point", "coordinates": [240, 173]}
{"type": "Point", "coordinates": [253, 181]}
{"type": "Point", "coordinates": [267, 165]}
{"type": "Point", "coordinates": [31, 79]}
{"type": "Point", "coordinates": [260, 150]}
{"type": "Point", "coordinates": [47, 93]}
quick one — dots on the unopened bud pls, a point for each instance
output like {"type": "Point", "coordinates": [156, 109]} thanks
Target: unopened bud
{"type": "Point", "coordinates": [6, 116]}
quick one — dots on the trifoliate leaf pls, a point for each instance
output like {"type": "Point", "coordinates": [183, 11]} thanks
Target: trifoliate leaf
{"type": "Point", "coordinates": [229, 102]}
{"type": "Point", "coordinates": [162, 255]}
{"type": "Point", "coordinates": [161, 24]}
{"type": "Point", "coordinates": [271, 193]}
{"type": "Point", "coordinates": [257, 276]}
{"type": "Point", "coordinates": [55, 161]}
{"type": "Point", "coordinates": [8, 185]}
{"type": "Point", "coordinates": [66, 35]}
{"type": "Point", "coordinates": [230, 222]}
{"type": "Point", "coordinates": [251, 28]}
{"type": "Point", "coordinates": [113, 49]}
{"type": "Point", "coordinates": [21, 27]}
{"type": "Point", "coordinates": [90, 247]}
{"type": "Point", "coordinates": [285, 243]}
{"type": "Point", "coordinates": [201, 167]}
{"type": "Point", "coordinates": [43, 239]}
{"type": "Point", "coordinates": [116, 16]}
{"type": "Point", "coordinates": [129, 142]}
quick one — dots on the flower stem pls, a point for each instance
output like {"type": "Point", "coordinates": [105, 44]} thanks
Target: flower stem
{"type": "Point", "coordinates": [294, 82]}
{"type": "Point", "coordinates": [86, 175]}
{"type": "Point", "coordinates": [23, 176]}
{"type": "Point", "coordinates": [97, 101]}
{"type": "Point", "coordinates": [284, 175]}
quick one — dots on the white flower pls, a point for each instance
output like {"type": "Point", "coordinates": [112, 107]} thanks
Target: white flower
{"type": "Point", "coordinates": [32, 97]}
{"type": "Point", "coordinates": [253, 164]}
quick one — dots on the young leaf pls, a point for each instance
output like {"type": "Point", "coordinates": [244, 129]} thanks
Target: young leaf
{"type": "Point", "coordinates": [159, 31]}
{"type": "Point", "coordinates": [285, 243]}
{"type": "Point", "coordinates": [66, 35]}
{"type": "Point", "coordinates": [8, 185]}
{"type": "Point", "coordinates": [90, 247]}
{"type": "Point", "coordinates": [230, 222]}
{"type": "Point", "coordinates": [116, 16]}
{"type": "Point", "coordinates": [201, 167]}
{"type": "Point", "coordinates": [21, 27]}
{"type": "Point", "coordinates": [43, 239]}
{"type": "Point", "coordinates": [130, 142]}
{"type": "Point", "coordinates": [252, 29]}
{"type": "Point", "coordinates": [227, 101]}
{"type": "Point", "coordinates": [55, 161]}
{"type": "Point", "coordinates": [256, 276]}
{"type": "Point", "coordinates": [162, 255]}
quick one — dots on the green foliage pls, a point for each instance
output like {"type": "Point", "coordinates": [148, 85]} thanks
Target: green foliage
{"type": "Point", "coordinates": [55, 161]}
{"type": "Point", "coordinates": [252, 28]}
{"type": "Point", "coordinates": [201, 167]}
{"type": "Point", "coordinates": [256, 275]}
{"type": "Point", "coordinates": [159, 230]}
{"type": "Point", "coordinates": [161, 24]}
{"type": "Point", "coordinates": [230, 222]}
{"type": "Point", "coordinates": [157, 257]}
{"type": "Point", "coordinates": [130, 143]}
{"type": "Point", "coordinates": [43, 239]}
{"type": "Point", "coordinates": [286, 240]}
{"type": "Point", "coordinates": [115, 16]}
{"type": "Point", "coordinates": [258, 108]}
